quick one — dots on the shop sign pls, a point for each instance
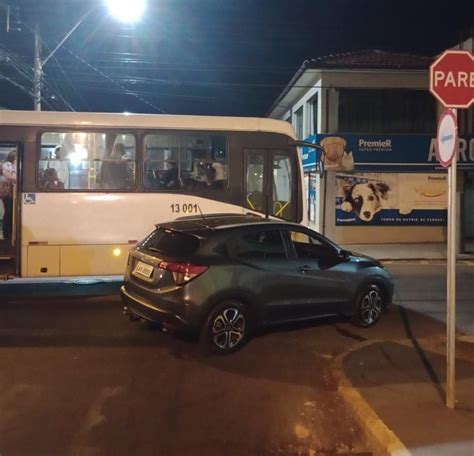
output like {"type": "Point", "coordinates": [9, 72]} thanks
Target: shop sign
{"type": "Point", "coordinates": [392, 153]}
{"type": "Point", "coordinates": [387, 199]}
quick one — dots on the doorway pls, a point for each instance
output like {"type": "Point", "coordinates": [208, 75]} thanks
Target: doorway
{"type": "Point", "coordinates": [468, 213]}
{"type": "Point", "coordinates": [9, 210]}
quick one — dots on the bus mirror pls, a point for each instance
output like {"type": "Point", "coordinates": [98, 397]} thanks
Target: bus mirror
{"type": "Point", "coordinates": [305, 144]}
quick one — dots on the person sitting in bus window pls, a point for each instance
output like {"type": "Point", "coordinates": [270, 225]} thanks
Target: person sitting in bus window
{"type": "Point", "coordinates": [151, 180]}
{"type": "Point", "coordinates": [171, 176]}
{"type": "Point", "coordinates": [51, 180]}
{"type": "Point", "coordinates": [114, 173]}
{"type": "Point", "coordinates": [61, 165]}
{"type": "Point", "coordinates": [209, 179]}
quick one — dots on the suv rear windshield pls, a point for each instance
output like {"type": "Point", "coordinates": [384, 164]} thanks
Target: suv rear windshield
{"type": "Point", "coordinates": [170, 243]}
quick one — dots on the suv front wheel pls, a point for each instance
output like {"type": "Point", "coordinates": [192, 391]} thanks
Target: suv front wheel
{"type": "Point", "coordinates": [227, 327]}
{"type": "Point", "coordinates": [370, 306]}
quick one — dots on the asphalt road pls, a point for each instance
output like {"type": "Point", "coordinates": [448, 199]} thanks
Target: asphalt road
{"type": "Point", "coordinates": [77, 378]}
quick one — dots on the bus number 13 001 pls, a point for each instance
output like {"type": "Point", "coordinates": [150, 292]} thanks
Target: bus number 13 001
{"type": "Point", "coordinates": [185, 208]}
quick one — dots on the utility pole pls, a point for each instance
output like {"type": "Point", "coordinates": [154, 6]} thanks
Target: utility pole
{"type": "Point", "coordinates": [38, 70]}
{"type": "Point", "coordinates": [38, 63]}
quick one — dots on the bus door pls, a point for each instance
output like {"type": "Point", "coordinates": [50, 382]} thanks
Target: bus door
{"type": "Point", "coordinates": [9, 217]}
{"type": "Point", "coordinates": [270, 182]}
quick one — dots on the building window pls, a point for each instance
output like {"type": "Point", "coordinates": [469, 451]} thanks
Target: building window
{"type": "Point", "coordinates": [386, 111]}
{"type": "Point", "coordinates": [299, 123]}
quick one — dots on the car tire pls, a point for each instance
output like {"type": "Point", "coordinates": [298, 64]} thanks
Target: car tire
{"type": "Point", "coordinates": [226, 329]}
{"type": "Point", "coordinates": [369, 307]}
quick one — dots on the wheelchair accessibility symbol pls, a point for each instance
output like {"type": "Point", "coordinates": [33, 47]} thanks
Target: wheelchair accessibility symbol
{"type": "Point", "coordinates": [29, 198]}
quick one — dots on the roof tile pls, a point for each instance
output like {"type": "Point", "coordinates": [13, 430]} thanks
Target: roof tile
{"type": "Point", "coordinates": [373, 59]}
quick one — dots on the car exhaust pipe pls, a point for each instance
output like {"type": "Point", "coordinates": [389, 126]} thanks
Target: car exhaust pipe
{"type": "Point", "coordinates": [127, 313]}
{"type": "Point", "coordinates": [168, 327]}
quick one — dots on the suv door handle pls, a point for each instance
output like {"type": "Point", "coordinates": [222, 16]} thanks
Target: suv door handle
{"type": "Point", "coordinates": [305, 269]}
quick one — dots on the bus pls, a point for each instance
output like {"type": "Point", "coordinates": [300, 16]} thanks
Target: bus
{"type": "Point", "coordinates": [91, 185]}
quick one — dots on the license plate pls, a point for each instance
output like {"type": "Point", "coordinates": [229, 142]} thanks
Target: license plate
{"type": "Point", "coordinates": [143, 269]}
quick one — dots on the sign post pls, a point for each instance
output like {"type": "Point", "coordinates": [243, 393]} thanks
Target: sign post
{"type": "Point", "coordinates": [451, 286]}
{"type": "Point", "coordinates": [446, 150]}
{"type": "Point", "coordinates": [452, 83]}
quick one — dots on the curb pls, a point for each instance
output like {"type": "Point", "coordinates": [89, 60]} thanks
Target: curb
{"type": "Point", "coordinates": [468, 338]}
{"type": "Point", "coordinates": [381, 439]}
{"type": "Point", "coordinates": [433, 261]}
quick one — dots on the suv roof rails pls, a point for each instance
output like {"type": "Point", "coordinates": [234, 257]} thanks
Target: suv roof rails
{"type": "Point", "coordinates": [217, 215]}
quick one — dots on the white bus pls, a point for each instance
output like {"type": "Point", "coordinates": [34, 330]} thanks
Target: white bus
{"type": "Point", "coordinates": [91, 185]}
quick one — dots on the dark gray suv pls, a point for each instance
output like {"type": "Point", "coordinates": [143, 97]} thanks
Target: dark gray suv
{"type": "Point", "coordinates": [222, 276]}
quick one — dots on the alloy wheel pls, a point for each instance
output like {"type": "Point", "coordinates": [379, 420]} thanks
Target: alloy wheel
{"type": "Point", "coordinates": [371, 307]}
{"type": "Point", "coordinates": [228, 328]}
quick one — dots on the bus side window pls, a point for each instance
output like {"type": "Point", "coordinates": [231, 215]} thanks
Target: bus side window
{"type": "Point", "coordinates": [282, 195]}
{"type": "Point", "coordinates": [79, 159]}
{"type": "Point", "coordinates": [254, 180]}
{"type": "Point", "coordinates": [179, 162]}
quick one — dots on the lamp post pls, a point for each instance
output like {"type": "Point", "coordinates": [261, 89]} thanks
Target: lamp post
{"type": "Point", "coordinates": [123, 10]}
{"type": "Point", "coordinates": [126, 10]}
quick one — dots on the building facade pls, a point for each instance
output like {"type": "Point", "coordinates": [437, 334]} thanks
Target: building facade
{"type": "Point", "coordinates": [373, 115]}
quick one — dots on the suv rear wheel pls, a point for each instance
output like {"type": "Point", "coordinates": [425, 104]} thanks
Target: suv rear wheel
{"type": "Point", "coordinates": [227, 327]}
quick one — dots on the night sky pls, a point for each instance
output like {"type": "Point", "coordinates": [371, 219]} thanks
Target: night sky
{"type": "Point", "coordinates": [213, 57]}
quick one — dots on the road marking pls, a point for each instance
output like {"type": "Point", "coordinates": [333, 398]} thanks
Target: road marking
{"type": "Point", "coordinates": [379, 436]}
{"type": "Point", "coordinates": [302, 432]}
{"type": "Point", "coordinates": [466, 338]}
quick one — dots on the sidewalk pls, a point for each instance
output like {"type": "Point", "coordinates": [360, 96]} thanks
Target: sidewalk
{"type": "Point", "coordinates": [428, 251]}
{"type": "Point", "coordinates": [403, 383]}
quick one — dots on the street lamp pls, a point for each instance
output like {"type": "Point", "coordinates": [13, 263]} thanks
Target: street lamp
{"type": "Point", "coordinates": [126, 10]}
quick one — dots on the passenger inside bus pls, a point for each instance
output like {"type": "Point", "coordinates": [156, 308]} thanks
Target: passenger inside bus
{"type": "Point", "coordinates": [61, 165]}
{"type": "Point", "coordinates": [171, 176]}
{"type": "Point", "coordinates": [51, 181]}
{"type": "Point", "coordinates": [114, 172]}
{"type": "Point", "coordinates": [8, 177]}
{"type": "Point", "coordinates": [210, 181]}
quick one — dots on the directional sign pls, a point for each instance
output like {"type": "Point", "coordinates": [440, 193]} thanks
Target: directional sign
{"type": "Point", "coordinates": [452, 79]}
{"type": "Point", "coordinates": [447, 138]}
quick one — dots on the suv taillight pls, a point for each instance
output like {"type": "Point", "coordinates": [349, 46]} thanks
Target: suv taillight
{"type": "Point", "coordinates": [183, 272]}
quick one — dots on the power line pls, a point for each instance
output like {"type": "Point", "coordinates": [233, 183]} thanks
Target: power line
{"type": "Point", "coordinates": [111, 80]}
{"type": "Point", "coordinates": [24, 89]}
{"type": "Point", "coordinates": [68, 80]}
{"type": "Point", "coordinates": [148, 94]}
{"type": "Point", "coordinates": [24, 71]}
{"type": "Point", "coordinates": [183, 83]}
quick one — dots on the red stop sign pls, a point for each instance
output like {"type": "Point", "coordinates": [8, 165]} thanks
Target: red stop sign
{"type": "Point", "coordinates": [452, 79]}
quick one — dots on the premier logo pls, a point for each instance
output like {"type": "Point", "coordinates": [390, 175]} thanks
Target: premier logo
{"type": "Point", "coordinates": [375, 145]}
{"type": "Point", "coordinates": [378, 143]}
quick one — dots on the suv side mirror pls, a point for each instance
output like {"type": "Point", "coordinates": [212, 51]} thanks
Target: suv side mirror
{"type": "Point", "coordinates": [343, 255]}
